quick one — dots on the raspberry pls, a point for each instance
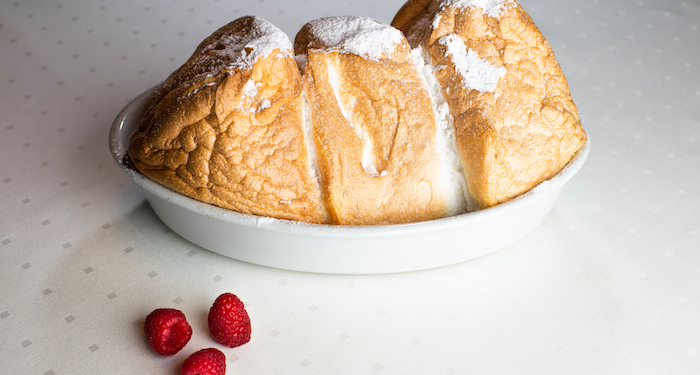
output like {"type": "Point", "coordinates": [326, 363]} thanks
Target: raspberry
{"type": "Point", "coordinates": [167, 331]}
{"type": "Point", "coordinates": [209, 361]}
{"type": "Point", "coordinates": [229, 323]}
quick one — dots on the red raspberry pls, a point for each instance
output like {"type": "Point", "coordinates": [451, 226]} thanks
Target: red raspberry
{"type": "Point", "coordinates": [167, 331]}
{"type": "Point", "coordinates": [228, 321]}
{"type": "Point", "coordinates": [205, 362]}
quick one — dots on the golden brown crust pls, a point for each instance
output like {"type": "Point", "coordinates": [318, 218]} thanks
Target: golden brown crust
{"type": "Point", "coordinates": [374, 125]}
{"type": "Point", "coordinates": [358, 139]}
{"type": "Point", "coordinates": [520, 132]}
{"type": "Point", "coordinates": [409, 14]}
{"type": "Point", "coordinates": [226, 129]}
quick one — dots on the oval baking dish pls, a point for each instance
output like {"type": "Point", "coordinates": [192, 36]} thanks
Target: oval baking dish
{"type": "Point", "coordinates": [340, 249]}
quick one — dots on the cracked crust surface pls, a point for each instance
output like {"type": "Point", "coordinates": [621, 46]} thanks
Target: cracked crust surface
{"type": "Point", "coordinates": [226, 128]}
{"type": "Point", "coordinates": [374, 123]}
{"type": "Point", "coordinates": [353, 141]}
{"type": "Point", "coordinates": [523, 131]}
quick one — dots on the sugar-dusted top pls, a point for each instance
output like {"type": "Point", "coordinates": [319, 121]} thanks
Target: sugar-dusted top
{"type": "Point", "coordinates": [235, 46]}
{"type": "Point", "coordinates": [492, 8]}
{"type": "Point", "coordinates": [477, 73]}
{"type": "Point", "coordinates": [358, 35]}
{"type": "Point", "coordinates": [258, 38]}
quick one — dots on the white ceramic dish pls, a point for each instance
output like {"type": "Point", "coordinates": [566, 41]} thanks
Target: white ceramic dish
{"type": "Point", "coordinates": [340, 249]}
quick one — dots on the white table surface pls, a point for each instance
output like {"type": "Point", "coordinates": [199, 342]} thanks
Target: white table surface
{"type": "Point", "coordinates": [609, 283]}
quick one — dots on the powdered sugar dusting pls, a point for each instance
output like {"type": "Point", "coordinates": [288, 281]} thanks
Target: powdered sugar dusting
{"type": "Point", "coordinates": [250, 89]}
{"type": "Point", "coordinates": [248, 98]}
{"type": "Point", "coordinates": [265, 104]}
{"type": "Point", "coordinates": [476, 72]}
{"type": "Point", "coordinates": [243, 50]}
{"type": "Point", "coordinates": [436, 21]}
{"type": "Point", "coordinates": [492, 8]}
{"type": "Point", "coordinates": [357, 35]}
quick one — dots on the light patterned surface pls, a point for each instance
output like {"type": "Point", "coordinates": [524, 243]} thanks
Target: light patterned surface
{"type": "Point", "coordinates": [608, 284]}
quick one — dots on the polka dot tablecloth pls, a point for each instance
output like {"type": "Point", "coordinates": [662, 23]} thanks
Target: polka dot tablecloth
{"type": "Point", "coordinates": [609, 283]}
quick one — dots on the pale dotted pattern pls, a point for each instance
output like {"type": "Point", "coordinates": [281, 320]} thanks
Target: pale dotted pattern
{"type": "Point", "coordinates": [84, 259]}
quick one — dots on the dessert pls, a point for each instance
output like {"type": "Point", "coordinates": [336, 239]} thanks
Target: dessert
{"type": "Point", "coordinates": [515, 120]}
{"type": "Point", "coordinates": [226, 127]}
{"type": "Point", "coordinates": [378, 148]}
{"type": "Point", "coordinates": [459, 106]}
